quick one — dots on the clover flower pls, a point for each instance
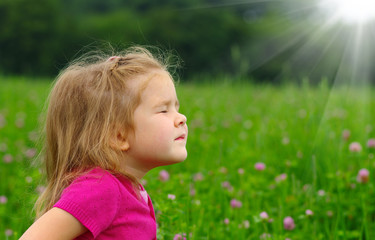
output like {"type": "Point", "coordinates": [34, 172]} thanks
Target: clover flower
{"type": "Point", "coordinates": [259, 166]}
{"type": "Point", "coordinates": [7, 158]}
{"type": "Point", "coordinates": [163, 176]}
{"type": "Point", "coordinates": [171, 196]}
{"type": "Point", "coordinates": [321, 193]}
{"type": "Point", "coordinates": [371, 143]}
{"type": "Point", "coordinates": [227, 185]}
{"type": "Point", "coordinates": [246, 224]}
{"type": "Point", "coordinates": [355, 147]}
{"type": "Point", "coordinates": [180, 236]}
{"type": "Point", "coordinates": [265, 236]}
{"type": "Point", "coordinates": [281, 177]}
{"type": "Point", "coordinates": [8, 232]}
{"type": "Point", "coordinates": [289, 223]}
{"type": "Point", "coordinates": [3, 199]}
{"type": "Point", "coordinates": [363, 175]}
{"type": "Point", "coordinates": [198, 177]}
{"type": "Point", "coordinates": [346, 134]}
{"type": "Point", "coordinates": [234, 203]}
{"type": "Point", "coordinates": [30, 153]}
{"type": "Point", "coordinates": [263, 215]}
{"type": "Point", "coordinates": [309, 212]}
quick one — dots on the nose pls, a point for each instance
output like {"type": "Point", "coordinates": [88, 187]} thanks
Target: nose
{"type": "Point", "coordinates": [180, 120]}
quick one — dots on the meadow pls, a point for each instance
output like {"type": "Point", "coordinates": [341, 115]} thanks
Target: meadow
{"type": "Point", "coordinates": [265, 162]}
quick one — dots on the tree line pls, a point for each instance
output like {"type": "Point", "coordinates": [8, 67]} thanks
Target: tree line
{"type": "Point", "coordinates": [213, 37]}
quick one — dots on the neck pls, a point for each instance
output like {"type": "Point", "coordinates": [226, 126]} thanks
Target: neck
{"type": "Point", "coordinates": [131, 167]}
{"type": "Point", "coordinates": [135, 172]}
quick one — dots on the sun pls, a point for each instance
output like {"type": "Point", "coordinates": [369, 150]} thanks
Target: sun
{"type": "Point", "coordinates": [351, 11]}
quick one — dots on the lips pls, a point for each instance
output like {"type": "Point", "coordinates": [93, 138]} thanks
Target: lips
{"type": "Point", "coordinates": [182, 137]}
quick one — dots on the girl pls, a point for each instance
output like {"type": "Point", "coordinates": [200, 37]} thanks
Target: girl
{"type": "Point", "coordinates": [109, 121]}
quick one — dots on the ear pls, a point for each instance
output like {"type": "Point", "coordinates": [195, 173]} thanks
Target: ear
{"type": "Point", "coordinates": [120, 142]}
{"type": "Point", "coordinates": [124, 145]}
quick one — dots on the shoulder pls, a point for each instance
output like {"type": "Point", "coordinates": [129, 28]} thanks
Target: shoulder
{"type": "Point", "coordinates": [93, 199]}
{"type": "Point", "coordinates": [95, 175]}
{"type": "Point", "coordinates": [95, 184]}
{"type": "Point", "coordinates": [94, 180]}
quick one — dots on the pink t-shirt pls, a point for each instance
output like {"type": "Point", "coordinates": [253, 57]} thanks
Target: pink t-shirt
{"type": "Point", "coordinates": [108, 207]}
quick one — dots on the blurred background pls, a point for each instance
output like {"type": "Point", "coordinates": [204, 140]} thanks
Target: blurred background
{"type": "Point", "coordinates": [300, 106]}
{"type": "Point", "coordinates": [257, 40]}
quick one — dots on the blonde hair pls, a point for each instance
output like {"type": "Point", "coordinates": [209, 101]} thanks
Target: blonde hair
{"type": "Point", "coordinates": [90, 102]}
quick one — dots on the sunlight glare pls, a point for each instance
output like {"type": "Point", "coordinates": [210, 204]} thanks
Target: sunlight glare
{"type": "Point", "coordinates": [352, 11]}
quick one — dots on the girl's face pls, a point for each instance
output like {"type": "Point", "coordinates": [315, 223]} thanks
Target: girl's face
{"type": "Point", "coordinates": [160, 131]}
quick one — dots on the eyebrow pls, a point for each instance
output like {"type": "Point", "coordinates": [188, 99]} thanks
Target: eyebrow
{"type": "Point", "coordinates": [166, 102]}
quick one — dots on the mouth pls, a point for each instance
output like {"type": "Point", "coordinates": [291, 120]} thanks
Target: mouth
{"type": "Point", "coordinates": [182, 137]}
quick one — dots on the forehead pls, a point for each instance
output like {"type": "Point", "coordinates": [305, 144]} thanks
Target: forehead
{"type": "Point", "coordinates": [140, 83]}
{"type": "Point", "coordinates": [157, 83]}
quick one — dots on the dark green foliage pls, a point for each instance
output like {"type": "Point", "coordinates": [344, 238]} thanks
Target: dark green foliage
{"type": "Point", "coordinates": [30, 35]}
{"type": "Point", "coordinates": [39, 37]}
{"type": "Point", "coordinates": [267, 41]}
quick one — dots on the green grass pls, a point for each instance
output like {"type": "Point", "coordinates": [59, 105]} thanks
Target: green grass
{"type": "Point", "coordinates": [293, 130]}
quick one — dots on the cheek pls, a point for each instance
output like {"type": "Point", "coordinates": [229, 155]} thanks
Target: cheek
{"type": "Point", "coordinates": [162, 135]}
{"type": "Point", "coordinates": [157, 133]}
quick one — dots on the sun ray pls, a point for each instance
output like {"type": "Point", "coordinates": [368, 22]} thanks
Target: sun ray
{"type": "Point", "coordinates": [323, 52]}
{"type": "Point", "coordinates": [280, 47]}
{"type": "Point", "coordinates": [352, 86]}
{"type": "Point", "coordinates": [351, 11]}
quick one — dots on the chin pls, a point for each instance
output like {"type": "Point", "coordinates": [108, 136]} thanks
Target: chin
{"type": "Point", "coordinates": [174, 161]}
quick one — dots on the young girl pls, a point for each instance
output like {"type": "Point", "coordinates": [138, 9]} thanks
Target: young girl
{"type": "Point", "coordinates": [109, 121]}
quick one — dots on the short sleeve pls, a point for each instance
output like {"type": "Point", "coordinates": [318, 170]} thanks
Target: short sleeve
{"type": "Point", "coordinates": [92, 199]}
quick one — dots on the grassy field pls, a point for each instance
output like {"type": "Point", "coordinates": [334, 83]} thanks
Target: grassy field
{"type": "Point", "coordinates": [264, 162]}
